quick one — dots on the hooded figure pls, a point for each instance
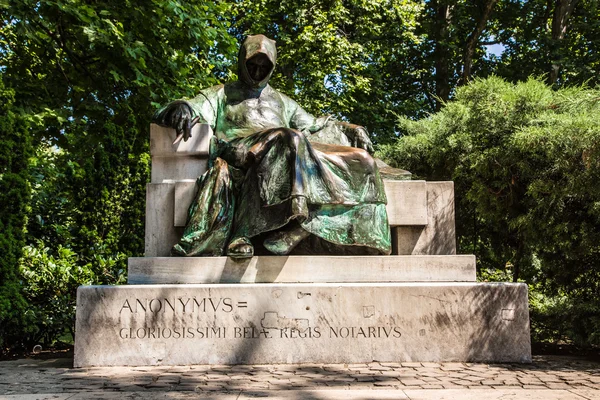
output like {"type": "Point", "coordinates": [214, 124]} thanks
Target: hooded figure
{"type": "Point", "coordinates": [270, 187]}
{"type": "Point", "coordinates": [256, 61]}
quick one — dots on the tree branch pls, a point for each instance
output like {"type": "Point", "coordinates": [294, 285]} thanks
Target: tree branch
{"type": "Point", "coordinates": [562, 11]}
{"type": "Point", "coordinates": [473, 39]}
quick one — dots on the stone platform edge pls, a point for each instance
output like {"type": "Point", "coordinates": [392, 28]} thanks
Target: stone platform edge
{"type": "Point", "coordinates": [297, 269]}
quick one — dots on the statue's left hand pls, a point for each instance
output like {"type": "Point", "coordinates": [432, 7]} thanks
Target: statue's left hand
{"type": "Point", "coordinates": [361, 140]}
{"type": "Point", "coordinates": [359, 137]}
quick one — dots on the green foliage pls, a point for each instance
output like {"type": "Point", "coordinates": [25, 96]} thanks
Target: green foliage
{"type": "Point", "coordinates": [524, 29]}
{"type": "Point", "coordinates": [525, 161]}
{"type": "Point", "coordinates": [86, 79]}
{"type": "Point", "coordinates": [14, 196]}
{"type": "Point", "coordinates": [50, 285]}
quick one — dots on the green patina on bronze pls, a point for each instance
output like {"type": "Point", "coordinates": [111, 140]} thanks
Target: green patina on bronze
{"type": "Point", "coordinates": [279, 179]}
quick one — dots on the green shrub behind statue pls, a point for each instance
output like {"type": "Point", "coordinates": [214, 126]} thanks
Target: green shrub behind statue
{"type": "Point", "coordinates": [525, 160]}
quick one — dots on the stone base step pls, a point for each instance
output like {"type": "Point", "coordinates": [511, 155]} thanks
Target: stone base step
{"type": "Point", "coordinates": [293, 269]}
{"type": "Point", "coordinates": [301, 323]}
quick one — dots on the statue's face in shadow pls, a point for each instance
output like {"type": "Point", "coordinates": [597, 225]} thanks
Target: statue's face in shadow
{"type": "Point", "coordinates": [259, 67]}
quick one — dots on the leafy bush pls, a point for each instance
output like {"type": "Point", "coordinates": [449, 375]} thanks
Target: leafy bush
{"type": "Point", "coordinates": [86, 219]}
{"type": "Point", "coordinates": [525, 160]}
{"type": "Point", "coordinates": [50, 284]}
{"type": "Point", "coordinates": [14, 197]}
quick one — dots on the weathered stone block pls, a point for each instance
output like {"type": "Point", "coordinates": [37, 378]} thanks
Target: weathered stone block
{"type": "Point", "coordinates": [291, 269]}
{"type": "Point", "coordinates": [438, 235]}
{"type": "Point", "coordinates": [170, 169]}
{"type": "Point", "coordinates": [182, 161]}
{"type": "Point", "coordinates": [184, 195]}
{"type": "Point", "coordinates": [301, 323]}
{"type": "Point", "coordinates": [161, 141]}
{"type": "Point", "coordinates": [407, 202]}
{"type": "Point", "coordinates": [161, 235]}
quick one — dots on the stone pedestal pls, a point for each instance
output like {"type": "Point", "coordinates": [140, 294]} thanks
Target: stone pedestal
{"type": "Point", "coordinates": [301, 323]}
{"type": "Point", "coordinates": [420, 304]}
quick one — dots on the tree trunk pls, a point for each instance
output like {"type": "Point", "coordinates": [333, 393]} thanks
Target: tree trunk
{"type": "Point", "coordinates": [442, 53]}
{"type": "Point", "coordinates": [473, 40]}
{"type": "Point", "coordinates": [562, 11]}
{"type": "Point", "coordinates": [518, 259]}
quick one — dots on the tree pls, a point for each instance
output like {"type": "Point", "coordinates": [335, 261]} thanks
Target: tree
{"type": "Point", "coordinates": [442, 52]}
{"type": "Point", "coordinates": [525, 160]}
{"type": "Point", "coordinates": [473, 39]}
{"type": "Point", "coordinates": [86, 79]}
{"type": "Point", "coordinates": [560, 18]}
{"type": "Point", "coordinates": [557, 39]}
{"type": "Point", "coordinates": [14, 197]}
{"type": "Point", "coordinates": [454, 35]}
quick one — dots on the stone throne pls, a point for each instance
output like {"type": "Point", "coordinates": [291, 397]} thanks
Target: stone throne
{"type": "Point", "coordinates": [421, 303]}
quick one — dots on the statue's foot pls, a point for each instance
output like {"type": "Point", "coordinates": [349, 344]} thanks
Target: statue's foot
{"type": "Point", "coordinates": [178, 251]}
{"type": "Point", "coordinates": [240, 248]}
{"type": "Point", "coordinates": [283, 242]}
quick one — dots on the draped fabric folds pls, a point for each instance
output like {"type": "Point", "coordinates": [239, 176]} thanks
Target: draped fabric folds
{"type": "Point", "coordinates": [267, 179]}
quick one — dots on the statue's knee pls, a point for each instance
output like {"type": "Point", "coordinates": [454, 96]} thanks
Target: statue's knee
{"type": "Point", "coordinates": [220, 164]}
{"type": "Point", "coordinates": [365, 157]}
{"type": "Point", "coordinates": [291, 135]}
{"type": "Point", "coordinates": [220, 168]}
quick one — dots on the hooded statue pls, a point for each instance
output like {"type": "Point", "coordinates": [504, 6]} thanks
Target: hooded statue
{"type": "Point", "coordinates": [279, 181]}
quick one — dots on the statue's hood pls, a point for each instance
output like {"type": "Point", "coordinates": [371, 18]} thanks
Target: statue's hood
{"type": "Point", "coordinates": [264, 49]}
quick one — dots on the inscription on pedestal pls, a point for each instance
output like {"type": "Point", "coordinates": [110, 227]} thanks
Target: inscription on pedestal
{"type": "Point", "coordinates": [271, 325]}
{"type": "Point", "coordinates": [285, 323]}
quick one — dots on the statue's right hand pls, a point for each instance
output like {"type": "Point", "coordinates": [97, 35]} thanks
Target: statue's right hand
{"type": "Point", "coordinates": [178, 115]}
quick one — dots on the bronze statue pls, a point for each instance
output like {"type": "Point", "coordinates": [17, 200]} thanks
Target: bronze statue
{"type": "Point", "coordinates": [279, 179]}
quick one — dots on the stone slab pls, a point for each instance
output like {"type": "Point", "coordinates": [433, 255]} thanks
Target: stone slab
{"type": "Point", "coordinates": [320, 394]}
{"type": "Point", "coordinates": [438, 235]}
{"type": "Point", "coordinates": [301, 323]}
{"type": "Point", "coordinates": [160, 234]}
{"type": "Point", "coordinates": [38, 396]}
{"type": "Point", "coordinates": [170, 169]}
{"type": "Point", "coordinates": [184, 195]}
{"type": "Point", "coordinates": [586, 393]}
{"type": "Point", "coordinates": [185, 160]}
{"type": "Point", "coordinates": [292, 269]}
{"type": "Point", "coordinates": [407, 201]}
{"type": "Point", "coordinates": [324, 394]}
{"type": "Point", "coordinates": [161, 141]}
